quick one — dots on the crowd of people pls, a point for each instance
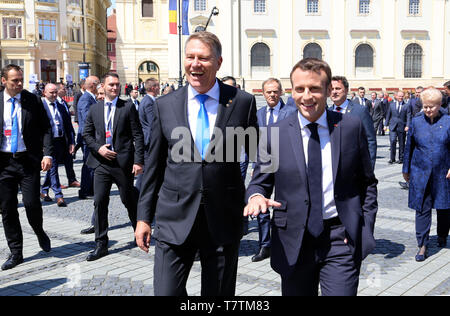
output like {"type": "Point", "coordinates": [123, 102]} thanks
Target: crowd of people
{"type": "Point", "coordinates": [315, 210]}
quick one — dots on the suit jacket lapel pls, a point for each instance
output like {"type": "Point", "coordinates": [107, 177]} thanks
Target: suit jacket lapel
{"type": "Point", "coordinates": [117, 114]}
{"type": "Point", "coordinates": [226, 106]}
{"type": "Point", "coordinates": [296, 138]}
{"type": "Point", "coordinates": [24, 104]}
{"type": "Point", "coordinates": [1, 113]}
{"type": "Point", "coordinates": [100, 114]}
{"type": "Point", "coordinates": [335, 139]}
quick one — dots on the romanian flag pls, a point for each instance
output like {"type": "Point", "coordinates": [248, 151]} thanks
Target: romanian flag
{"type": "Point", "coordinates": [173, 17]}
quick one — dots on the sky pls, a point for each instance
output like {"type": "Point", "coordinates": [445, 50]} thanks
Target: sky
{"type": "Point", "coordinates": [111, 7]}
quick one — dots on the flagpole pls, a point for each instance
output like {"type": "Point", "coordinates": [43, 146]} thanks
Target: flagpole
{"type": "Point", "coordinates": [180, 75]}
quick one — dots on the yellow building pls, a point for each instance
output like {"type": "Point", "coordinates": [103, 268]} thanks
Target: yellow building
{"type": "Point", "coordinates": [142, 40]}
{"type": "Point", "coordinates": [45, 37]}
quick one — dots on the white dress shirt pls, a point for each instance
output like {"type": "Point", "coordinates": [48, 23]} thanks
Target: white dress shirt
{"type": "Point", "coordinates": [276, 112]}
{"type": "Point", "coordinates": [7, 123]}
{"type": "Point", "coordinates": [111, 115]}
{"type": "Point", "coordinates": [343, 107]}
{"type": "Point", "coordinates": [329, 206]}
{"type": "Point", "coordinates": [53, 111]}
{"type": "Point", "coordinates": [211, 105]}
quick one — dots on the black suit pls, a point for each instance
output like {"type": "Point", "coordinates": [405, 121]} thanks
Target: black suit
{"type": "Point", "coordinates": [397, 120]}
{"type": "Point", "coordinates": [129, 145]}
{"type": "Point", "coordinates": [197, 204]}
{"type": "Point", "coordinates": [24, 170]}
{"type": "Point", "coordinates": [300, 258]}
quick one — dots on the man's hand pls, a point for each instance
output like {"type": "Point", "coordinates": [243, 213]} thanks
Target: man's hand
{"type": "Point", "coordinates": [406, 176]}
{"type": "Point", "coordinates": [259, 204]}
{"type": "Point", "coordinates": [106, 153]}
{"type": "Point", "coordinates": [137, 169]}
{"type": "Point", "coordinates": [448, 174]}
{"type": "Point", "coordinates": [71, 149]}
{"type": "Point", "coordinates": [143, 233]}
{"type": "Point", "coordinates": [46, 164]}
{"type": "Point", "coordinates": [406, 128]}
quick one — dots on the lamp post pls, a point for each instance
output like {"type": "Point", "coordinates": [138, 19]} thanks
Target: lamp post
{"type": "Point", "coordinates": [180, 74]}
{"type": "Point", "coordinates": [214, 11]}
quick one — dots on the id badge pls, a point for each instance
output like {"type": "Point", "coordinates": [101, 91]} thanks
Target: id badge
{"type": "Point", "coordinates": [108, 134]}
{"type": "Point", "coordinates": [8, 133]}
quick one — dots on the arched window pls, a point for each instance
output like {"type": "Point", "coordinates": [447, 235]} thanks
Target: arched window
{"type": "Point", "coordinates": [312, 50]}
{"type": "Point", "coordinates": [148, 69]}
{"type": "Point", "coordinates": [413, 61]}
{"type": "Point", "coordinates": [260, 60]}
{"type": "Point", "coordinates": [147, 8]}
{"type": "Point", "coordinates": [364, 56]}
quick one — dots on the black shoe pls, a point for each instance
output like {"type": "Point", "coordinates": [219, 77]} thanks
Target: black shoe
{"type": "Point", "coordinates": [46, 198]}
{"type": "Point", "coordinates": [400, 162]}
{"type": "Point", "coordinates": [13, 260]}
{"type": "Point", "coordinates": [422, 257]}
{"type": "Point", "coordinates": [44, 242]}
{"type": "Point", "coordinates": [264, 253]}
{"type": "Point", "coordinates": [99, 252]}
{"type": "Point", "coordinates": [442, 242]}
{"type": "Point", "coordinates": [87, 231]}
{"type": "Point", "coordinates": [404, 185]}
{"type": "Point", "coordinates": [391, 162]}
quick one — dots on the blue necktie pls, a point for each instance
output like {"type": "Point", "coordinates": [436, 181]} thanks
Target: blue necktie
{"type": "Point", "coordinates": [57, 119]}
{"type": "Point", "coordinates": [15, 128]}
{"type": "Point", "coordinates": [271, 118]}
{"type": "Point", "coordinates": [202, 132]}
{"type": "Point", "coordinates": [315, 219]}
{"type": "Point", "coordinates": [108, 127]}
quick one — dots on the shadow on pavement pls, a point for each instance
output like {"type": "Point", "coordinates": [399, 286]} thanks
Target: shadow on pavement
{"type": "Point", "coordinates": [388, 248]}
{"type": "Point", "coordinates": [32, 288]}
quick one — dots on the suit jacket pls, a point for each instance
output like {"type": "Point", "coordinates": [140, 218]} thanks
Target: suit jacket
{"type": "Point", "coordinates": [367, 103]}
{"type": "Point", "coordinates": [36, 130]}
{"type": "Point", "coordinates": [76, 98]}
{"type": "Point", "coordinates": [128, 140]}
{"type": "Point", "coordinates": [66, 121]}
{"type": "Point", "coordinates": [427, 158]}
{"type": "Point", "coordinates": [83, 106]}
{"type": "Point", "coordinates": [397, 120]}
{"type": "Point", "coordinates": [414, 108]}
{"type": "Point", "coordinates": [378, 110]}
{"type": "Point", "coordinates": [363, 114]}
{"type": "Point", "coordinates": [172, 189]}
{"type": "Point", "coordinates": [355, 188]}
{"type": "Point", "coordinates": [146, 117]}
{"type": "Point", "coordinates": [130, 100]}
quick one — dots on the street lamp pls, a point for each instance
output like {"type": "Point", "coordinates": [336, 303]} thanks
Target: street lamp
{"type": "Point", "coordinates": [214, 12]}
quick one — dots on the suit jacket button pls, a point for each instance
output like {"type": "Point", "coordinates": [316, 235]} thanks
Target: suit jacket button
{"type": "Point", "coordinates": [307, 202]}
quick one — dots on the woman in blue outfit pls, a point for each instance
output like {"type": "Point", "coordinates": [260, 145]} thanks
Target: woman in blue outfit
{"type": "Point", "coordinates": [427, 169]}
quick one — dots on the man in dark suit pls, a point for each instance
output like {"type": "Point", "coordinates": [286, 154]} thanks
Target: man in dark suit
{"type": "Point", "coordinates": [113, 134]}
{"type": "Point", "coordinates": [134, 94]}
{"type": "Point", "coordinates": [414, 106]}
{"type": "Point", "coordinates": [25, 136]}
{"type": "Point", "coordinates": [273, 112]}
{"type": "Point", "coordinates": [68, 158]}
{"type": "Point", "coordinates": [378, 114]}
{"type": "Point", "coordinates": [84, 104]}
{"type": "Point", "coordinates": [323, 221]}
{"type": "Point", "coordinates": [396, 119]}
{"type": "Point", "coordinates": [152, 88]}
{"type": "Point", "coordinates": [339, 91]}
{"type": "Point", "coordinates": [63, 142]}
{"type": "Point", "coordinates": [361, 98]}
{"type": "Point", "coordinates": [196, 193]}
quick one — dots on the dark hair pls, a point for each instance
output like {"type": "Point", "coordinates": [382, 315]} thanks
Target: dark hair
{"type": "Point", "coordinates": [209, 39]}
{"type": "Point", "coordinates": [7, 68]}
{"type": "Point", "coordinates": [342, 79]}
{"type": "Point", "coordinates": [150, 83]}
{"type": "Point", "coordinates": [313, 64]}
{"type": "Point", "coordinates": [109, 74]}
{"type": "Point", "coordinates": [272, 80]}
{"type": "Point", "coordinates": [361, 88]}
{"type": "Point", "coordinates": [447, 84]}
{"type": "Point", "coordinates": [230, 78]}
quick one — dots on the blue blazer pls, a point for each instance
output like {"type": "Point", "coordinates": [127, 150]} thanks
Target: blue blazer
{"type": "Point", "coordinates": [146, 117]}
{"type": "Point", "coordinates": [427, 158]}
{"type": "Point", "coordinates": [397, 120]}
{"type": "Point", "coordinates": [83, 106]}
{"type": "Point", "coordinates": [355, 188]}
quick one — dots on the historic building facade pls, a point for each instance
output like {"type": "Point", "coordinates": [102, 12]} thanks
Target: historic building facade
{"type": "Point", "coordinates": [50, 38]}
{"type": "Point", "coordinates": [378, 44]}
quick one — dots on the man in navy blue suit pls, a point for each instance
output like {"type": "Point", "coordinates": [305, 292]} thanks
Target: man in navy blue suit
{"type": "Point", "coordinates": [339, 93]}
{"type": "Point", "coordinates": [397, 119]}
{"type": "Point", "coordinates": [325, 190]}
{"type": "Point", "coordinates": [63, 142]}
{"type": "Point", "coordinates": [273, 112]}
{"type": "Point", "coordinates": [83, 106]}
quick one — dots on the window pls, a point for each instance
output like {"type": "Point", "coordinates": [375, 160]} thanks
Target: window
{"type": "Point", "coordinates": [148, 67]}
{"type": "Point", "coordinates": [18, 62]}
{"type": "Point", "coordinates": [259, 6]}
{"type": "Point", "coordinates": [413, 61]}
{"type": "Point", "coordinates": [12, 28]}
{"type": "Point", "coordinates": [49, 1]}
{"type": "Point", "coordinates": [260, 55]}
{"type": "Point", "coordinates": [364, 56]}
{"type": "Point", "coordinates": [200, 5]}
{"type": "Point", "coordinates": [364, 6]}
{"type": "Point", "coordinates": [75, 3]}
{"type": "Point", "coordinates": [414, 7]}
{"type": "Point", "coordinates": [312, 50]}
{"type": "Point", "coordinates": [47, 30]}
{"type": "Point", "coordinates": [312, 6]}
{"type": "Point", "coordinates": [75, 34]}
{"type": "Point", "coordinates": [147, 8]}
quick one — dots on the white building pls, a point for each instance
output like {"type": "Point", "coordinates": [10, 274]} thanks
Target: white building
{"type": "Point", "coordinates": [378, 44]}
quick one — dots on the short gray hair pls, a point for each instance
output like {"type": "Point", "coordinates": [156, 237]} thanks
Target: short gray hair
{"type": "Point", "coordinates": [431, 95]}
{"type": "Point", "coordinates": [209, 39]}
